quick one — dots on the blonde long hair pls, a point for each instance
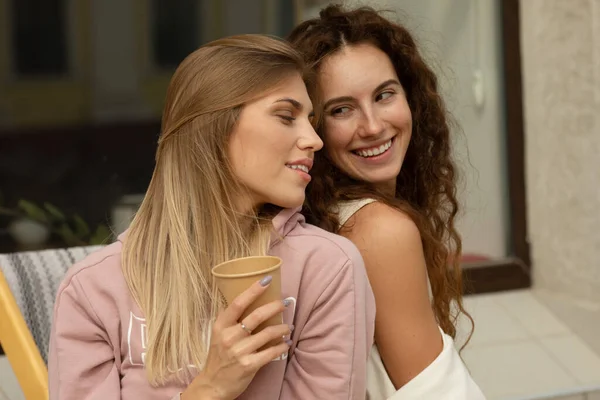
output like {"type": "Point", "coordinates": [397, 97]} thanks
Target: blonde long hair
{"type": "Point", "coordinates": [188, 221]}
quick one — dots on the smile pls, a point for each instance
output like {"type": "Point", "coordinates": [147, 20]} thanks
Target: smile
{"type": "Point", "coordinates": [374, 151]}
{"type": "Point", "coordinates": [302, 168]}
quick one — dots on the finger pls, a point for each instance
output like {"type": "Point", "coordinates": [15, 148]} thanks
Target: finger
{"type": "Point", "coordinates": [234, 311]}
{"type": "Point", "coordinates": [262, 358]}
{"type": "Point", "coordinates": [233, 334]}
{"type": "Point", "coordinates": [264, 313]}
{"type": "Point", "coordinates": [252, 343]}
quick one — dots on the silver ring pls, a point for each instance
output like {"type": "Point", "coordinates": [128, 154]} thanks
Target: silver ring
{"type": "Point", "coordinates": [244, 327]}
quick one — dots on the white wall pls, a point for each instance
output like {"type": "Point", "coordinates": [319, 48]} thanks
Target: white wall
{"type": "Point", "coordinates": [561, 84]}
{"type": "Point", "coordinates": [458, 38]}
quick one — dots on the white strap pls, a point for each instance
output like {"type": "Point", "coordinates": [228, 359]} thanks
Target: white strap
{"type": "Point", "coordinates": [347, 209]}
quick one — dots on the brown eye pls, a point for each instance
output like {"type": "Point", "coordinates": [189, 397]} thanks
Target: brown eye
{"type": "Point", "coordinates": [340, 110]}
{"type": "Point", "coordinates": [384, 96]}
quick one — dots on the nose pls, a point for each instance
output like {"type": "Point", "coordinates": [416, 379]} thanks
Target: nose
{"type": "Point", "coordinates": [370, 124]}
{"type": "Point", "coordinates": [309, 140]}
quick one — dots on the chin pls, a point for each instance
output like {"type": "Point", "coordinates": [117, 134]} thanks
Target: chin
{"type": "Point", "coordinates": [389, 175]}
{"type": "Point", "coordinates": [289, 201]}
{"type": "Point", "coordinates": [378, 177]}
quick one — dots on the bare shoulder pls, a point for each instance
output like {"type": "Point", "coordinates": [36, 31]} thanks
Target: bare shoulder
{"type": "Point", "coordinates": [406, 330]}
{"type": "Point", "coordinates": [390, 244]}
{"type": "Point", "coordinates": [382, 226]}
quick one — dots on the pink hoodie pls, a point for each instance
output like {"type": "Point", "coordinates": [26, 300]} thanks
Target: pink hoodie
{"type": "Point", "coordinates": [97, 345]}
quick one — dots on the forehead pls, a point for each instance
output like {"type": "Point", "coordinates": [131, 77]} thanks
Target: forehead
{"type": "Point", "coordinates": [355, 68]}
{"type": "Point", "coordinates": [292, 87]}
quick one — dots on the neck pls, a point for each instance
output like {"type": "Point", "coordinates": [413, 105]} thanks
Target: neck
{"type": "Point", "coordinates": [245, 212]}
{"type": "Point", "coordinates": [388, 188]}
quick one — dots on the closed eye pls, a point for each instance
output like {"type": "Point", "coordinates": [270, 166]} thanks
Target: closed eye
{"type": "Point", "coordinates": [286, 119]}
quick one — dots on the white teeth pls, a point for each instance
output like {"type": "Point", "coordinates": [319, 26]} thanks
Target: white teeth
{"type": "Point", "coordinates": [375, 151]}
{"type": "Point", "coordinates": [303, 168]}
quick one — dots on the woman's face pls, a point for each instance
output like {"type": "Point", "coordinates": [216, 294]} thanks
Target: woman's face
{"type": "Point", "coordinates": [273, 144]}
{"type": "Point", "coordinates": [368, 123]}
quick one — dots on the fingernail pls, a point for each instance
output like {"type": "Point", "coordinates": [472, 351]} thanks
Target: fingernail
{"type": "Point", "coordinates": [266, 280]}
{"type": "Point", "coordinates": [292, 328]}
{"type": "Point", "coordinates": [288, 342]}
{"type": "Point", "coordinates": [287, 302]}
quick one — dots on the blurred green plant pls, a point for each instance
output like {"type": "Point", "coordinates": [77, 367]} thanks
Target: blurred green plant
{"type": "Point", "coordinates": [73, 230]}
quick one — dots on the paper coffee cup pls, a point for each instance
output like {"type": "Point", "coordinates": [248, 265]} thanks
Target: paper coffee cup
{"type": "Point", "coordinates": [235, 276]}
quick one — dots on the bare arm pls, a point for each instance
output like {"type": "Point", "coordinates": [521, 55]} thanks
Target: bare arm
{"type": "Point", "coordinates": [406, 331]}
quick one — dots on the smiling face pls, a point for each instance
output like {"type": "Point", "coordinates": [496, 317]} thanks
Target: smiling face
{"type": "Point", "coordinates": [368, 123]}
{"type": "Point", "coordinates": [273, 144]}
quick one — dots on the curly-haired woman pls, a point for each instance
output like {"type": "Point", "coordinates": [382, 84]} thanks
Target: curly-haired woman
{"type": "Point", "coordinates": [386, 181]}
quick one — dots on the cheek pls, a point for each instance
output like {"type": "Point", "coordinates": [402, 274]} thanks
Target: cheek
{"type": "Point", "coordinates": [338, 137]}
{"type": "Point", "coordinates": [402, 116]}
{"type": "Point", "coordinates": [335, 147]}
{"type": "Point", "coordinates": [234, 154]}
{"type": "Point", "coordinates": [246, 160]}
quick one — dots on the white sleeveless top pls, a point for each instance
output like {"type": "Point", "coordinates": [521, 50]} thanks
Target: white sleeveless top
{"type": "Point", "coordinates": [445, 378]}
{"type": "Point", "coordinates": [347, 209]}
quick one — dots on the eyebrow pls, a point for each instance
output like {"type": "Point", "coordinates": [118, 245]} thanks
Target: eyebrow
{"type": "Point", "coordinates": [295, 103]}
{"type": "Point", "coordinates": [350, 98]}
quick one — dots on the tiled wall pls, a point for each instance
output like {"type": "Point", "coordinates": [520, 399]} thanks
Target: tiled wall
{"type": "Point", "coordinates": [561, 82]}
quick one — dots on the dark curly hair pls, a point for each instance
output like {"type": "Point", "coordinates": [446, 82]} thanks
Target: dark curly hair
{"type": "Point", "coordinates": [426, 185]}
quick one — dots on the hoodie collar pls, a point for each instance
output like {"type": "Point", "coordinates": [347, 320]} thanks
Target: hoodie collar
{"type": "Point", "coordinates": [284, 222]}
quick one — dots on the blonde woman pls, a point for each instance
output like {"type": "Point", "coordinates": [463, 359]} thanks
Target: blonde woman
{"type": "Point", "coordinates": [142, 319]}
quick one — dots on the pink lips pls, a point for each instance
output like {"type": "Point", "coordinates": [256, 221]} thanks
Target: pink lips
{"type": "Point", "coordinates": [305, 162]}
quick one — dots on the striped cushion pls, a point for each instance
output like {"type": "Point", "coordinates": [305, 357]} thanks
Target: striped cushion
{"type": "Point", "coordinates": [33, 278]}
